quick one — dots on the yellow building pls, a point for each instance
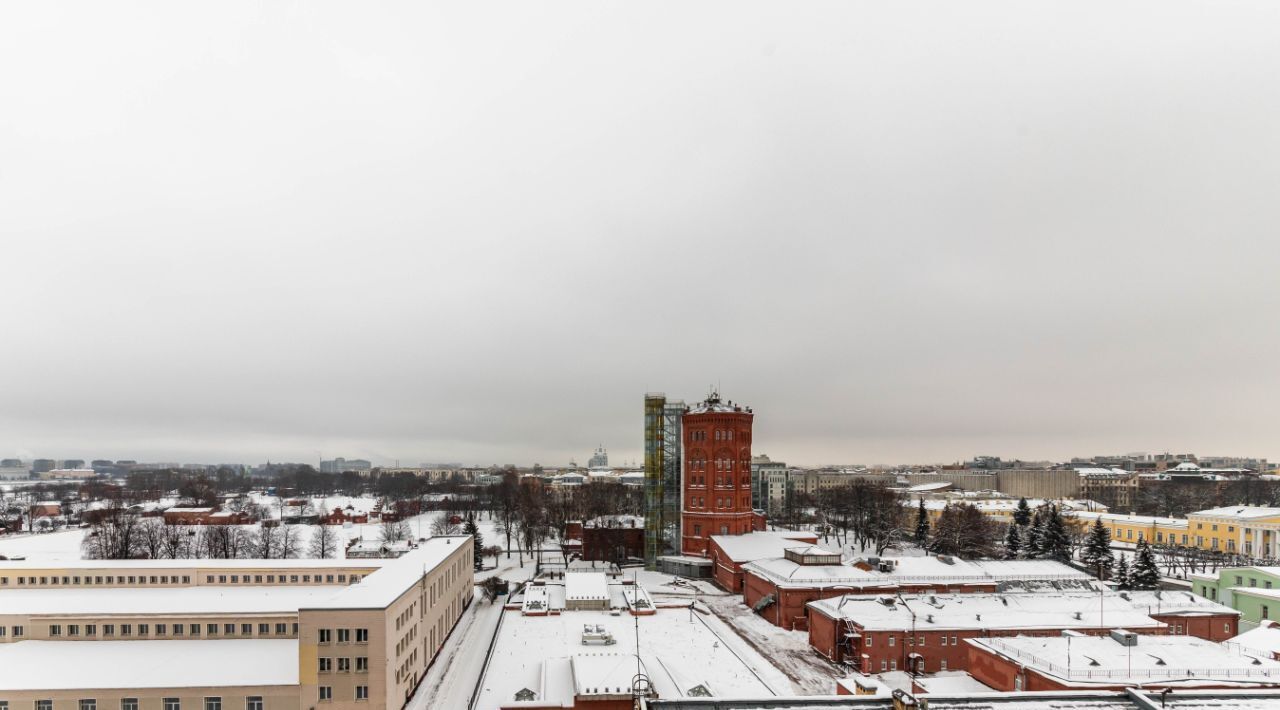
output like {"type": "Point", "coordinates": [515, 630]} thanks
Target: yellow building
{"type": "Point", "coordinates": [1242, 529]}
{"type": "Point", "coordinates": [1133, 528]}
{"type": "Point", "coordinates": [228, 634]}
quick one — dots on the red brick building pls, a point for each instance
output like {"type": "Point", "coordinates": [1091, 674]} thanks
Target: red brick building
{"type": "Point", "coordinates": [890, 632]}
{"type": "Point", "coordinates": [717, 473]}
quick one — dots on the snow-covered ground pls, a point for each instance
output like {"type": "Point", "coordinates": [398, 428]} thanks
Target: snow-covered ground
{"type": "Point", "coordinates": [60, 545]}
{"type": "Point", "coordinates": [452, 677]}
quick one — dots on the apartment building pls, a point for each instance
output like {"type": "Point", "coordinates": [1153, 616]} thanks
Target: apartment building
{"type": "Point", "coordinates": [228, 634]}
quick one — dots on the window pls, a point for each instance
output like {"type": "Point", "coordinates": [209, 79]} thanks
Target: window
{"type": "Point", "coordinates": [162, 629]}
{"type": "Point", "coordinates": [1253, 582]}
{"type": "Point", "coordinates": [944, 640]}
{"type": "Point", "coordinates": [55, 629]}
{"type": "Point", "coordinates": [177, 629]}
{"type": "Point", "coordinates": [126, 629]}
{"type": "Point", "coordinates": [280, 629]}
{"type": "Point", "coordinates": [172, 704]}
{"type": "Point", "coordinates": [253, 702]}
{"type": "Point", "coordinates": [213, 704]}
{"type": "Point", "coordinates": [44, 705]}
{"type": "Point", "coordinates": [362, 636]}
{"type": "Point", "coordinates": [344, 635]}
{"type": "Point", "coordinates": [1265, 612]}
{"type": "Point", "coordinates": [1226, 628]}
{"type": "Point", "coordinates": [128, 704]}
{"type": "Point", "coordinates": [326, 636]}
{"type": "Point", "coordinates": [326, 664]}
{"type": "Point", "coordinates": [326, 692]}
{"type": "Point", "coordinates": [246, 629]}
{"type": "Point", "coordinates": [943, 665]}
{"type": "Point", "coordinates": [893, 665]}
{"type": "Point", "coordinates": [108, 629]}
{"type": "Point", "coordinates": [953, 641]}
{"type": "Point", "coordinates": [362, 664]}
{"type": "Point", "coordinates": [362, 692]}
{"type": "Point", "coordinates": [344, 664]}
{"type": "Point", "coordinates": [884, 665]}
{"type": "Point", "coordinates": [143, 629]}
{"type": "Point", "coordinates": [229, 629]}
{"type": "Point", "coordinates": [264, 629]}
{"type": "Point", "coordinates": [891, 640]}
{"type": "Point", "coordinates": [89, 704]}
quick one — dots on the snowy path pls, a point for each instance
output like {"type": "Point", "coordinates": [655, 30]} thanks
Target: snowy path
{"type": "Point", "coordinates": [452, 679]}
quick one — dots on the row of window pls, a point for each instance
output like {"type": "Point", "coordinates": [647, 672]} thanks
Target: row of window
{"type": "Point", "coordinates": [55, 630]}
{"type": "Point", "coordinates": [720, 435]}
{"type": "Point", "coordinates": [253, 702]}
{"type": "Point", "coordinates": [170, 580]}
{"type": "Point", "coordinates": [326, 693]}
{"type": "Point", "coordinates": [283, 579]}
{"type": "Point", "coordinates": [88, 581]}
{"type": "Point", "coordinates": [326, 664]}
{"type": "Point", "coordinates": [344, 635]}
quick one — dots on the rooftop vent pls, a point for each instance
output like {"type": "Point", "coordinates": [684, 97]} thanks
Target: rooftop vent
{"type": "Point", "coordinates": [946, 559]}
{"type": "Point", "coordinates": [1124, 637]}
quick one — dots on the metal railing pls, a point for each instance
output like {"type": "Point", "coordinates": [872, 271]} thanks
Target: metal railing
{"type": "Point", "coordinates": [1096, 673]}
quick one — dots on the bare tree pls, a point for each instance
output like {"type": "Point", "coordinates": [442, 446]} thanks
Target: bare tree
{"type": "Point", "coordinates": [324, 542]}
{"type": "Point", "coordinates": [440, 525]}
{"type": "Point", "coordinates": [290, 541]}
{"type": "Point", "coordinates": [394, 531]}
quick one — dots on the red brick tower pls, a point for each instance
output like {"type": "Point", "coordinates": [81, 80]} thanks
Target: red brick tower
{"type": "Point", "coordinates": [717, 473]}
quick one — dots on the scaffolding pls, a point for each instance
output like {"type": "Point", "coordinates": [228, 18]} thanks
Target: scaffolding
{"type": "Point", "coordinates": [662, 454]}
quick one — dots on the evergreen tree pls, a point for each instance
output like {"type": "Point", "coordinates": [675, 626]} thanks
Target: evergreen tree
{"type": "Point", "coordinates": [1145, 574]}
{"type": "Point", "coordinates": [1012, 542]}
{"type": "Point", "coordinates": [1055, 543]}
{"type": "Point", "coordinates": [1035, 535]}
{"type": "Point", "coordinates": [1121, 577]}
{"type": "Point", "coordinates": [1022, 515]}
{"type": "Point", "coordinates": [477, 548]}
{"type": "Point", "coordinates": [1097, 550]}
{"type": "Point", "coordinates": [922, 526]}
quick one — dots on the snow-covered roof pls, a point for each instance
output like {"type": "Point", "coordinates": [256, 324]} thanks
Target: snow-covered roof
{"type": "Point", "coordinates": [1132, 519]}
{"type": "Point", "coordinates": [760, 545]}
{"type": "Point", "coordinates": [384, 586]}
{"type": "Point", "coordinates": [535, 652]}
{"type": "Point", "coordinates": [596, 674]}
{"type": "Point", "coordinates": [785, 573]}
{"type": "Point", "coordinates": [1042, 610]}
{"type": "Point", "coordinates": [1240, 512]}
{"type": "Point", "coordinates": [189, 510]}
{"type": "Point", "coordinates": [97, 665]}
{"type": "Point", "coordinates": [209, 599]}
{"type": "Point", "coordinates": [109, 566]}
{"type": "Point", "coordinates": [1184, 660]}
{"type": "Point", "coordinates": [942, 569]}
{"type": "Point", "coordinates": [1264, 640]}
{"type": "Point", "coordinates": [586, 586]}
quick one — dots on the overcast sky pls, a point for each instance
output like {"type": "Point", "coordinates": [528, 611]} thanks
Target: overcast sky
{"type": "Point", "coordinates": [480, 232]}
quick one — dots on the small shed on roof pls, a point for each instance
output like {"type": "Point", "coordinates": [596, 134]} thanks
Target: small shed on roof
{"type": "Point", "coordinates": [586, 590]}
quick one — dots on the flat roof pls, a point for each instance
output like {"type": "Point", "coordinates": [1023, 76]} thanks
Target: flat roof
{"type": "Point", "coordinates": [265, 565]}
{"type": "Point", "coordinates": [1153, 659]}
{"type": "Point", "coordinates": [63, 665]}
{"type": "Point", "coordinates": [785, 573]}
{"type": "Point", "coordinates": [1062, 610]}
{"type": "Point", "coordinates": [379, 589]}
{"type": "Point", "coordinates": [1239, 512]}
{"type": "Point", "coordinates": [761, 544]}
{"type": "Point", "coordinates": [210, 599]}
{"type": "Point", "coordinates": [586, 586]}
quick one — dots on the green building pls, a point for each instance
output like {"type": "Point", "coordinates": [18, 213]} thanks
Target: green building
{"type": "Point", "coordinates": [1252, 591]}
